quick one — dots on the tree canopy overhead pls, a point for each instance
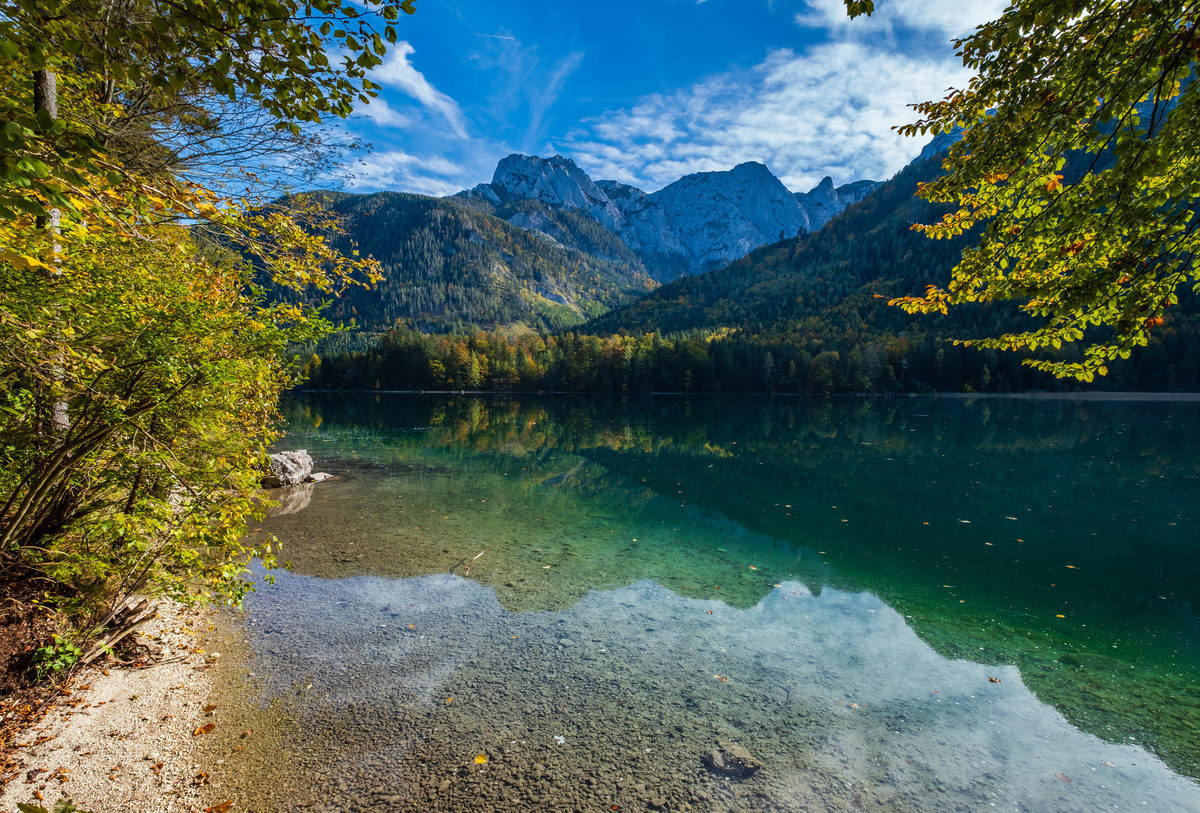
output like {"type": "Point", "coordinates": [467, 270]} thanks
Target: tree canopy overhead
{"type": "Point", "coordinates": [1078, 163]}
{"type": "Point", "coordinates": [183, 89]}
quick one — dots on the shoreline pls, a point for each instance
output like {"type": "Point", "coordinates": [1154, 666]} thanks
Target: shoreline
{"type": "Point", "coordinates": [1032, 395]}
{"type": "Point", "coordinates": [124, 738]}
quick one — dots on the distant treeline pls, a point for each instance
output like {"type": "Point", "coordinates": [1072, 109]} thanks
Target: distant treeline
{"type": "Point", "coordinates": [724, 362]}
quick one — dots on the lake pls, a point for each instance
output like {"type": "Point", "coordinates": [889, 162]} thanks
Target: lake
{"type": "Point", "coordinates": [671, 603]}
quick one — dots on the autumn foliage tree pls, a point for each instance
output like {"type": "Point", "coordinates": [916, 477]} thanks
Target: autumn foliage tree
{"type": "Point", "coordinates": [1078, 161]}
{"type": "Point", "coordinates": [139, 363]}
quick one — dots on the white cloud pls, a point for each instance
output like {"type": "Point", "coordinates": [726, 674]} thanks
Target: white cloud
{"type": "Point", "coordinates": [951, 18]}
{"type": "Point", "coordinates": [396, 169]}
{"type": "Point", "coordinates": [397, 72]}
{"type": "Point", "coordinates": [380, 112]}
{"type": "Point", "coordinates": [829, 111]}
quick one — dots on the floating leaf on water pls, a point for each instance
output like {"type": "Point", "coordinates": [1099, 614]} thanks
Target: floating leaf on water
{"type": "Point", "coordinates": [1062, 777]}
{"type": "Point", "coordinates": [1106, 762]}
{"type": "Point", "coordinates": [994, 680]}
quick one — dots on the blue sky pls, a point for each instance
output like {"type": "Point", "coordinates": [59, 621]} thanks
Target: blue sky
{"type": "Point", "coordinates": [645, 91]}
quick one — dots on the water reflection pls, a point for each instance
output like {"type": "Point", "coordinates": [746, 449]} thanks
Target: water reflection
{"type": "Point", "coordinates": [1052, 540]}
{"type": "Point", "coordinates": [424, 693]}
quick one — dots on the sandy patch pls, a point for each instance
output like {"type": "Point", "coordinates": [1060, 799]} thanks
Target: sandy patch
{"type": "Point", "coordinates": [125, 738]}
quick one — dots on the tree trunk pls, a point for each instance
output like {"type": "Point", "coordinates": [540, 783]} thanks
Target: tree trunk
{"type": "Point", "coordinates": [45, 97]}
{"type": "Point", "coordinates": [45, 92]}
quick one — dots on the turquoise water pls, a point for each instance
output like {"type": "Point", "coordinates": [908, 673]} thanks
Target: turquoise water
{"type": "Point", "coordinates": [912, 604]}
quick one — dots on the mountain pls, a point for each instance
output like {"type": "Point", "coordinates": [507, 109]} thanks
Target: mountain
{"type": "Point", "coordinates": [838, 278]}
{"type": "Point", "coordinates": [450, 267]}
{"type": "Point", "coordinates": [700, 222]}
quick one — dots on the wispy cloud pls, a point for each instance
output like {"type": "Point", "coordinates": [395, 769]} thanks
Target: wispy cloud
{"type": "Point", "coordinates": [543, 97]}
{"type": "Point", "coordinates": [382, 114]}
{"type": "Point", "coordinates": [828, 111]}
{"type": "Point", "coordinates": [397, 72]}
{"type": "Point", "coordinates": [396, 169]}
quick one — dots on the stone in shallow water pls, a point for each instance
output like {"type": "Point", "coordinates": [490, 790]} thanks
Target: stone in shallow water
{"type": "Point", "coordinates": [731, 760]}
{"type": "Point", "coordinates": [289, 469]}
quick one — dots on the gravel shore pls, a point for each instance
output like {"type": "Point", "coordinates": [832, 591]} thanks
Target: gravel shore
{"type": "Point", "coordinates": [130, 738]}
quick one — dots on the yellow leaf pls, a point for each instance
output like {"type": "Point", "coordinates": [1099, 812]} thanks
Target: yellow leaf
{"type": "Point", "coordinates": [22, 261]}
{"type": "Point", "coordinates": [480, 759]}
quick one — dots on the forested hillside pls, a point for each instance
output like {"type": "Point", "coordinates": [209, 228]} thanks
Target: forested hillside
{"type": "Point", "coordinates": [448, 266]}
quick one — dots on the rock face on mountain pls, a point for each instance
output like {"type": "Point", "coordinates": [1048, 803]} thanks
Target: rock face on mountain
{"type": "Point", "coordinates": [700, 222]}
{"type": "Point", "coordinates": [650, 231]}
{"type": "Point", "coordinates": [554, 181]}
{"type": "Point", "coordinates": [720, 216]}
{"type": "Point", "coordinates": [824, 202]}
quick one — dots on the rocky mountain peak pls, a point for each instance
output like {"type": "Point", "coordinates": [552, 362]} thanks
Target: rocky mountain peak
{"type": "Point", "coordinates": [824, 192]}
{"type": "Point", "coordinates": [555, 181]}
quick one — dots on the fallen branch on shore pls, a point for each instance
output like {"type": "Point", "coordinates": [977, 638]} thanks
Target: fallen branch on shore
{"type": "Point", "coordinates": [121, 622]}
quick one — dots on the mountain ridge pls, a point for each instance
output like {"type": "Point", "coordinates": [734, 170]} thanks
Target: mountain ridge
{"type": "Point", "coordinates": [700, 222]}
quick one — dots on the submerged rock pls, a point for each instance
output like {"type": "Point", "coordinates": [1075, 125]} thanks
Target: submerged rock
{"type": "Point", "coordinates": [731, 760]}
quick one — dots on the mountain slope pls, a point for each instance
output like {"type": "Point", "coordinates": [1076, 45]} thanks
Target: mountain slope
{"type": "Point", "coordinates": [451, 267]}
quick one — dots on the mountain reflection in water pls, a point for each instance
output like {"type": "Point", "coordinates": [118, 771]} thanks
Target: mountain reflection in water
{"type": "Point", "coordinates": [853, 554]}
